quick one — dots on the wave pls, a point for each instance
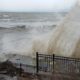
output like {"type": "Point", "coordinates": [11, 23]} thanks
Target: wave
{"type": "Point", "coordinates": [29, 26]}
{"type": "Point", "coordinates": [18, 26]}
{"type": "Point", "coordinates": [3, 28]}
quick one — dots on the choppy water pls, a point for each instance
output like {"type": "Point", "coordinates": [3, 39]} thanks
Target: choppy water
{"type": "Point", "coordinates": [18, 30]}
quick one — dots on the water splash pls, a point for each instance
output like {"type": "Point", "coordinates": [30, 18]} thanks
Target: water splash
{"type": "Point", "coordinates": [65, 39]}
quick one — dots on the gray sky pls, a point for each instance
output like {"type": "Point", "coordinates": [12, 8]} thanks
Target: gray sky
{"type": "Point", "coordinates": [35, 5]}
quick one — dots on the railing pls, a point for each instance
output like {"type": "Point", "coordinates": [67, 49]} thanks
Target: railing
{"type": "Point", "coordinates": [61, 68]}
{"type": "Point", "coordinates": [24, 68]}
{"type": "Point", "coordinates": [57, 64]}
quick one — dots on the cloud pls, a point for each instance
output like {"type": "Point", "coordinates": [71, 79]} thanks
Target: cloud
{"type": "Point", "coordinates": [35, 5]}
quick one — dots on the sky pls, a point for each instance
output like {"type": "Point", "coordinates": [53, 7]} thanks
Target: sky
{"type": "Point", "coordinates": [36, 5]}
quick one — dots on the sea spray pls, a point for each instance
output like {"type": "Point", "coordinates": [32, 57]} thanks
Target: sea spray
{"type": "Point", "coordinates": [66, 40]}
{"type": "Point", "coordinates": [40, 44]}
